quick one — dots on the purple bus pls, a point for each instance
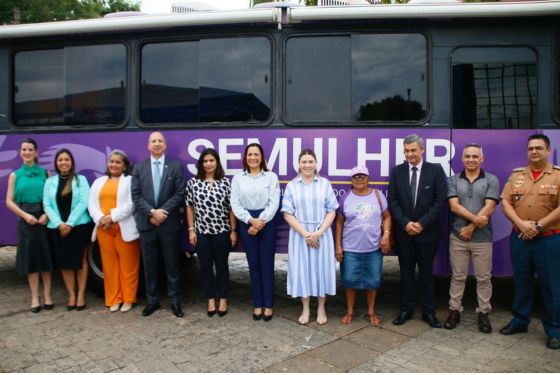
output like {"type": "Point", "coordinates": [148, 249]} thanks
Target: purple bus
{"type": "Point", "coordinates": [349, 82]}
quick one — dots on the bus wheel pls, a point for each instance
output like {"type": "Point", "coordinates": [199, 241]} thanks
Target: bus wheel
{"type": "Point", "coordinates": [95, 269]}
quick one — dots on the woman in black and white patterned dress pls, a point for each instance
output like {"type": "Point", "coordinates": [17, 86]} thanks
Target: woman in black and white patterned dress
{"type": "Point", "coordinates": [212, 226]}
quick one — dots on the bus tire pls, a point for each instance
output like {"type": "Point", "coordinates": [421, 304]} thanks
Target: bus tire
{"type": "Point", "coordinates": [95, 269]}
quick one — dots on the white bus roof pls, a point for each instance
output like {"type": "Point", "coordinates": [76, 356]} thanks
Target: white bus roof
{"type": "Point", "coordinates": [296, 15]}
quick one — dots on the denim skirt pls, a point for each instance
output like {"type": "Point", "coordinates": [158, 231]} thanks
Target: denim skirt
{"type": "Point", "coordinates": [362, 270]}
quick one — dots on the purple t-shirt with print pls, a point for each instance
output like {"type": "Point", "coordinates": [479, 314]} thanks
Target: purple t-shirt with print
{"type": "Point", "coordinates": [362, 225]}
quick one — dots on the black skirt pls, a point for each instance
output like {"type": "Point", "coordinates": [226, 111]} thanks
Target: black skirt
{"type": "Point", "coordinates": [69, 251]}
{"type": "Point", "coordinates": [34, 252]}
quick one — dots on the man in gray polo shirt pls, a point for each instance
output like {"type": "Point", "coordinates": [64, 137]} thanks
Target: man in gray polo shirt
{"type": "Point", "coordinates": [472, 197]}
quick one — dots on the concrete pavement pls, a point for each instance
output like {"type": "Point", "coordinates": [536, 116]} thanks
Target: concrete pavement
{"type": "Point", "coordinates": [95, 340]}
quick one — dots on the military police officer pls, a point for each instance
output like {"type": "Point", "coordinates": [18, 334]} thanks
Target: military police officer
{"type": "Point", "coordinates": [531, 201]}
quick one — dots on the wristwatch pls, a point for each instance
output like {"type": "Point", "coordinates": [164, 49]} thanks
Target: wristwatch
{"type": "Point", "coordinates": [538, 227]}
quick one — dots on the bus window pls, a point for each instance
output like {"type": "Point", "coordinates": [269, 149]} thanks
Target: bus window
{"type": "Point", "coordinates": [494, 88]}
{"type": "Point", "coordinates": [207, 81]}
{"type": "Point", "coordinates": [83, 85]}
{"type": "Point", "coordinates": [356, 78]}
{"type": "Point", "coordinates": [557, 81]}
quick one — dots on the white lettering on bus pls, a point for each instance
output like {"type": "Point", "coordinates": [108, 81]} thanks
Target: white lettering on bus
{"type": "Point", "coordinates": [364, 156]}
{"type": "Point", "coordinates": [439, 151]}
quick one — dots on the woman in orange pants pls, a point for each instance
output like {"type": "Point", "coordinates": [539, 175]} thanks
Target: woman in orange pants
{"type": "Point", "coordinates": [111, 207]}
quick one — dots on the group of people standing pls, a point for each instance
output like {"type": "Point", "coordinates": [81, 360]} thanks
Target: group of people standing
{"type": "Point", "coordinates": [140, 210]}
{"type": "Point", "coordinates": [530, 200]}
{"type": "Point", "coordinates": [54, 226]}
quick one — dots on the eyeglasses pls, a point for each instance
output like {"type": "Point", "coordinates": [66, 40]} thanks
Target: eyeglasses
{"type": "Point", "coordinates": [359, 177]}
{"type": "Point", "coordinates": [537, 148]}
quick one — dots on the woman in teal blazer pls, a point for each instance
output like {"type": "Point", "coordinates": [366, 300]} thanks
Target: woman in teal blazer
{"type": "Point", "coordinates": [65, 201]}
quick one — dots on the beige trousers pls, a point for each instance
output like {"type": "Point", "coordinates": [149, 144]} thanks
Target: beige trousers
{"type": "Point", "coordinates": [460, 254]}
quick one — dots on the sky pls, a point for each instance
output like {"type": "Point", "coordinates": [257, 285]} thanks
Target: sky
{"type": "Point", "coordinates": [164, 6]}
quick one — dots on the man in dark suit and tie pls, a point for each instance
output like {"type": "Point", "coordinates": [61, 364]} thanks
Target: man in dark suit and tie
{"type": "Point", "coordinates": [417, 194]}
{"type": "Point", "coordinates": [157, 192]}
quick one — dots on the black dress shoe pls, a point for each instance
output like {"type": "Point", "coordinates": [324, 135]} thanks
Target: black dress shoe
{"type": "Point", "coordinates": [402, 318]}
{"type": "Point", "coordinates": [510, 329]}
{"type": "Point", "coordinates": [432, 320]}
{"type": "Point", "coordinates": [222, 313]}
{"type": "Point", "coordinates": [70, 307]}
{"type": "Point", "coordinates": [452, 320]}
{"type": "Point", "coordinates": [150, 309]}
{"type": "Point", "coordinates": [36, 309]}
{"type": "Point", "coordinates": [484, 325]}
{"type": "Point", "coordinates": [268, 318]}
{"type": "Point", "coordinates": [257, 316]}
{"type": "Point", "coordinates": [177, 310]}
{"type": "Point", "coordinates": [48, 306]}
{"type": "Point", "coordinates": [211, 313]}
{"type": "Point", "coordinates": [553, 343]}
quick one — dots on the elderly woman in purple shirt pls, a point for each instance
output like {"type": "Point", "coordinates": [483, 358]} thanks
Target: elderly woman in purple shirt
{"type": "Point", "coordinates": [362, 236]}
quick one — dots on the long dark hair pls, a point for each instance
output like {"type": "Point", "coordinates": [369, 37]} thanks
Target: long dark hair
{"type": "Point", "coordinates": [218, 173]}
{"type": "Point", "coordinates": [126, 161]}
{"type": "Point", "coordinates": [32, 142]}
{"type": "Point", "coordinates": [263, 162]}
{"type": "Point", "coordinates": [71, 175]}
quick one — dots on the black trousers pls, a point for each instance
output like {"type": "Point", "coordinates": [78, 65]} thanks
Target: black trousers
{"type": "Point", "coordinates": [410, 254]}
{"type": "Point", "coordinates": [213, 251]}
{"type": "Point", "coordinates": [156, 243]}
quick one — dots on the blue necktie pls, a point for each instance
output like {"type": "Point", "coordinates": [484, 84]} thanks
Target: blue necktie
{"type": "Point", "coordinates": [157, 180]}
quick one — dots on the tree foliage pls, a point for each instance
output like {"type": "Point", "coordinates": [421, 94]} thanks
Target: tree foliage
{"type": "Point", "coordinates": [394, 108]}
{"type": "Point", "coordinates": [30, 11]}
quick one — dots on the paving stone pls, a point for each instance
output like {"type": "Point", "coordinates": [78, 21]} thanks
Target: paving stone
{"type": "Point", "coordinates": [376, 366]}
{"type": "Point", "coordinates": [411, 328]}
{"type": "Point", "coordinates": [378, 339]}
{"type": "Point", "coordinates": [302, 363]}
{"type": "Point", "coordinates": [94, 340]}
{"type": "Point", "coordinates": [40, 368]}
{"type": "Point", "coordinates": [343, 354]}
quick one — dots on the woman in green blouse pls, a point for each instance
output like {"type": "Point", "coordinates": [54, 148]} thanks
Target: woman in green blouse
{"type": "Point", "coordinates": [24, 198]}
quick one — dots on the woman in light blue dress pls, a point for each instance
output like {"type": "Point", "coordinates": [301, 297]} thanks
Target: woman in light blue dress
{"type": "Point", "coordinates": [309, 206]}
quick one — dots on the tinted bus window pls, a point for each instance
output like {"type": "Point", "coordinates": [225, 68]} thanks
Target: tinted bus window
{"type": "Point", "coordinates": [556, 70]}
{"type": "Point", "coordinates": [494, 88]}
{"type": "Point", "coordinates": [82, 85]}
{"type": "Point", "coordinates": [356, 78]}
{"type": "Point", "coordinates": [210, 80]}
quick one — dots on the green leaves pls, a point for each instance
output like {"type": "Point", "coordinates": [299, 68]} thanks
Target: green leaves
{"type": "Point", "coordinates": [31, 11]}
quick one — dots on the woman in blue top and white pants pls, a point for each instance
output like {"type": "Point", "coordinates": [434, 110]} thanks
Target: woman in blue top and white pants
{"type": "Point", "coordinates": [65, 201]}
{"type": "Point", "coordinates": [255, 196]}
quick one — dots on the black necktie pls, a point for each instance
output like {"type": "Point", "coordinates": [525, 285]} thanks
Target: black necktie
{"type": "Point", "coordinates": [413, 182]}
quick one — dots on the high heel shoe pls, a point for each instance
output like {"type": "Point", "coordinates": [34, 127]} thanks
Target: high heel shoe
{"type": "Point", "coordinates": [223, 303]}
{"type": "Point", "coordinates": [70, 307]}
{"type": "Point", "coordinates": [36, 309]}
{"type": "Point", "coordinates": [266, 317]}
{"type": "Point", "coordinates": [48, 306]}
{"type": "Point", "coordinates": [81, 307]}
{"type": "Point", "coordinates": [211, 313]}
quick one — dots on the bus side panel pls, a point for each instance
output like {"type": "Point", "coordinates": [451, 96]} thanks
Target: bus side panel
{"type": "Point", "coordinates": [338, 150]}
